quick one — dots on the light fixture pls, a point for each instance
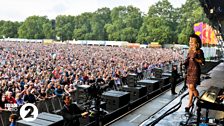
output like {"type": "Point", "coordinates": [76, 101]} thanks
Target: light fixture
{"type": "Point", "coordinates": [211, 11]}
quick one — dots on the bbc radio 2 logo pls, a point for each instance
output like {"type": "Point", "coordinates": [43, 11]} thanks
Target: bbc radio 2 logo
{"type": "Point", "coordinates": [12, 107]}
{"type": "Point", "coordinates": [28, 112]}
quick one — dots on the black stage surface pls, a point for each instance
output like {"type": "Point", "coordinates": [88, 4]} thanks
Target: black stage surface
{"type": "Point", "coordinates": [159, 105]}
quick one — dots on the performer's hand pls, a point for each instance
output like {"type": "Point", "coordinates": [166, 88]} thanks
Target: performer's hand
{"type": "Point", "coordinates": [221, 97]}
{"type": "Point", "coordinates": [193, 49]}
{"type": "Point", "coordinates": [84, 114]}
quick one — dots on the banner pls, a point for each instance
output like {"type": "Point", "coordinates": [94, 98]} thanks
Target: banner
{"type": "Point", "coordinates": [48, 41]}
{"type": "Point", "coordinates": [206, 33]}
{"type": "Point", "coordinates": [133, 45]}
{"type": "Point", "coordinates": [198, 27]}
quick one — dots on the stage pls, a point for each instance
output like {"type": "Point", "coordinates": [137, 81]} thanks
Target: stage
{"type": "Point", "coordinates": [152, 110]}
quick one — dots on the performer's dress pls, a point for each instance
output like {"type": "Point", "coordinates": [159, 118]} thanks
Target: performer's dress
{"type": "Point", "coordinates": [193, 67]}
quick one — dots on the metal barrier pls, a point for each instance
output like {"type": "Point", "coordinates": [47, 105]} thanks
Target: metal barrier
{"type": "Point", "coordinates": [49, 105]}
{"type": "Point", "coordinates": [41, 106]}
{"type": "Point", "coordinates": [57, 103]}
{"type": "Point", "coordinates": [73, 95]}
{"type": "Point", "coordinates": [1, 119]}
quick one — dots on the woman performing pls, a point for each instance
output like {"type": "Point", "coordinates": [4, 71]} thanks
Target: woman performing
{"type": "Point", "coordinates": [195, 58]}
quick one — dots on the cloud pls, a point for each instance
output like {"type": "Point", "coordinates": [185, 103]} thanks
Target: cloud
{"type": "Point", "coordinates": [19, 10]}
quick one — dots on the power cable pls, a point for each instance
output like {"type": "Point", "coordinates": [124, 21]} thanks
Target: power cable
{"type": "Point", "coordinates": [171, 110]}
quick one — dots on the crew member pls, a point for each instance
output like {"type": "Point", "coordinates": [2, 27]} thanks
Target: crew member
{"type": "Point", "coordinates": [174, 80]}
{"type": "Point", "coordinates": [71, 112]}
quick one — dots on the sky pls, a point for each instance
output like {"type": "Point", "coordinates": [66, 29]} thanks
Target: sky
{"type": "Point", "coordinates": [19, 10]}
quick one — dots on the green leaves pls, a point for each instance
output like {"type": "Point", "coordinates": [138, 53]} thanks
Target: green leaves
{"type": "Point", "coordinates": [9, 29]}
{"type": "Point", "coordinates": [158, 25]}
{"type": "Point", "coordinates": [163, 23]}
{"type": "Point", "coordinates": [126, 22]}
{"type": "Point", "coordinates": [190, 13]}
{"type": "Point", "coordinates": [48, 31]}
{"type": "Point", "coordinates": [65, 26]}
{"type": "Point", "coordinates": [35, 27]}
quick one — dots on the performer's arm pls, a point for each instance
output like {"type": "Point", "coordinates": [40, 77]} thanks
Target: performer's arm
{"type": "Point", "coordinates": [186, 61]}
{"type": "Point", "coordinates": [221, 97]}
{"type": "Point", "coordinates": [69, 116]}
{"type": "Point", "coordinates": [200, 59]}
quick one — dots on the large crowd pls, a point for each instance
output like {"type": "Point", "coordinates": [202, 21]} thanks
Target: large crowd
{"type": "Point", "coordinates": [33, 71]}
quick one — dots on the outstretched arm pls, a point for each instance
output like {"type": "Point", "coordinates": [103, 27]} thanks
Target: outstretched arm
{"type": "Point", "coordinates": [69, 116]}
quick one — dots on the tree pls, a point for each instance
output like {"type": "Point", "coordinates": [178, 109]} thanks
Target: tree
{"type": "Point", "coordinates": [65, 26]}
{"type": "Point", "coordinates": [100, 18]}
{"type": "Point", "coordinates": [190, 13]}
{"type": "Point", "coordinates": [129, 34]}
{"type": "Point", "coordinates": [33, 27]}
{"type": "Point", "coordinates": [158, 25]}
{"type": "Point", "coordinates": [48, 31]}
{"type": "Point", "coordinates": [1, 24]}
{"type": "Point", "coordinates": [9, 29]}
{"type": "Point", "coordinates": [163, 24]}
{"type": "Point", "coordinates": [126, 22]}
{"type": "Point", "coordinates": [83, 29]}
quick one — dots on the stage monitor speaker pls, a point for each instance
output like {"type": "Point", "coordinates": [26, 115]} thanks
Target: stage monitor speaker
{"type": "Point", "coordinates": [136, 92]}
{"type": "Point", "coordinates": [115, 99]}
{"type": "Point", "coordinates": [158, 72]}
{"type": "Point", "coordinates": [151, 85]}
{"type": "Point", "coordinates": [132, 80]}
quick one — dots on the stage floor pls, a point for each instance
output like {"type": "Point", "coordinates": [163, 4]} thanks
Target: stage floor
{"type": "Point", "coordinates": [157, 106]}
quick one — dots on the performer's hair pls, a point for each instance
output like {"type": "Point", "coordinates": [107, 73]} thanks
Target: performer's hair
{"type": "Point", "coordinates": [198, 40]}
{"type": "Point", "coordinates": [64, 97]}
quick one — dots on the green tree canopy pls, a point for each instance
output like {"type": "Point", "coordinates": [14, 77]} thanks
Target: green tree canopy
{"type": "Point", "coordinates": [158, 24]}
{"type": "Point", "coordinates": [48, 31]}
{"type": "Point", "coordinates": [190, 13]}
{"type": "Point", "coordinates": [83, 29]}
{"type": "Point", "coordinates": [125, 24]}
{"type": "Point", "coordinates": [33, 27]}
{"type": "Point", "coordinates": [163, 23]}
{"type": "Point", "coordinates": [65, 26]}
{"type": "Point", "coordinates": [100, 18]}
{"type": "Point", "coordinates": [9, 29]}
